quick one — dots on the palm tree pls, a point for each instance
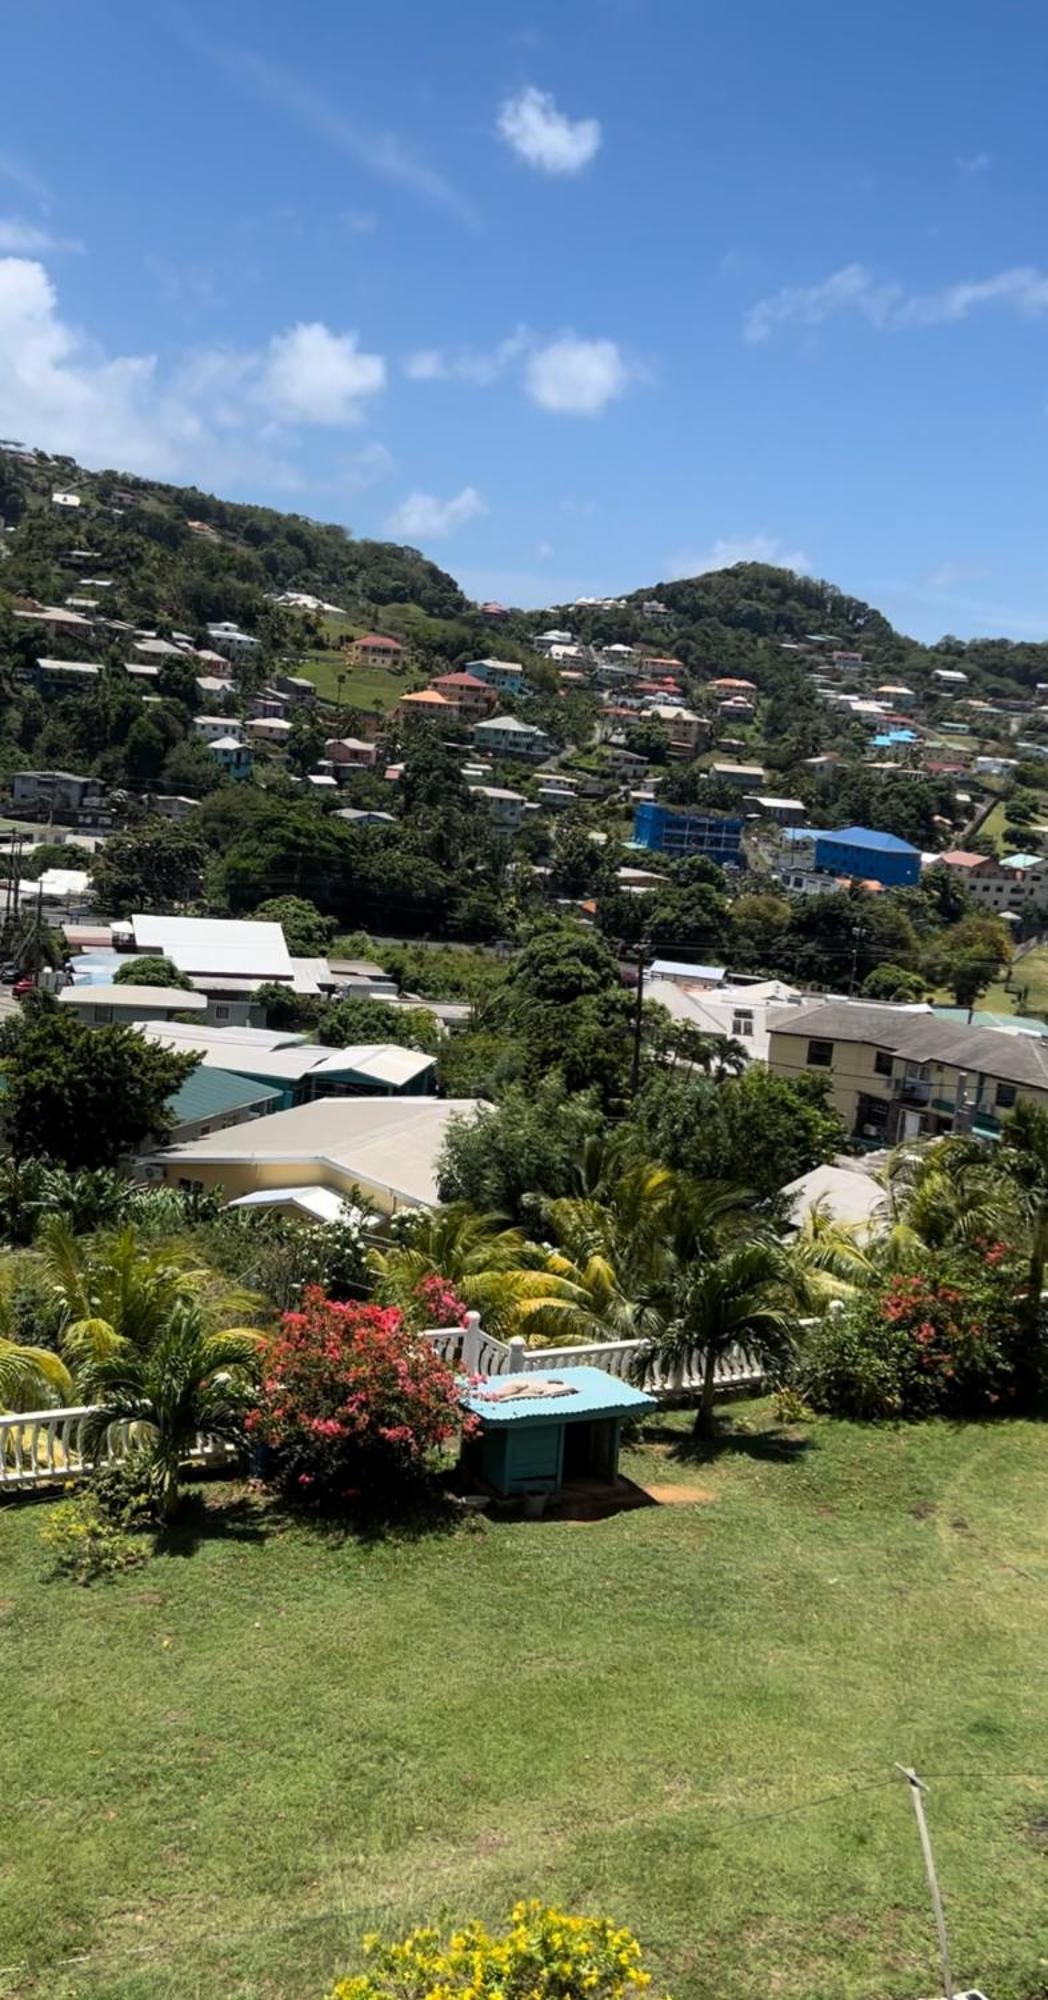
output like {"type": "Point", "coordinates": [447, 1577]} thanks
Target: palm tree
{"type": "Point", "coordinates": [831, 1260]}
{"type": "Point", "coordinates": [183, 1384]}
{"type": "Point", "coordinates": [495, 1270]}
{"type": "Point", "coordinates": [1023, 1161]}
{"type": "Point", "coordinates": [140, 1332]}
{"type": "Point", "coordinates": [31, 1377]}
{"type": "Point", "coordinates": [116, 1286]}
{"type": "Point", "coordinates": [942, 1196]}
{"type": "Point", "coordinates": [741, 1297]}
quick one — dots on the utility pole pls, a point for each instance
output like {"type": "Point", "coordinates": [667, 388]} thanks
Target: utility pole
{"type": "Point", "coordinates": [856, 941]}
{"type": "Point", "coordinates": [917, 1791]}
{"type": "Point", "coordinates": [642, 957]}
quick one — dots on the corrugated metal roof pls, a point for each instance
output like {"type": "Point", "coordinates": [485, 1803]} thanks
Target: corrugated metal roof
{"type": "Point", "coordinates": [212, 944]}
{"type": "Point", "coordinates": [587, 1392]}
{"type": "Point", "coordinates": [867, 836]}
{"type": "Point", "coordinates": [209, 1093]}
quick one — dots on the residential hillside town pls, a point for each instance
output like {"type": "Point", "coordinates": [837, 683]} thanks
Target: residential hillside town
{"type": "Point", "coordinates": [467, 1072]}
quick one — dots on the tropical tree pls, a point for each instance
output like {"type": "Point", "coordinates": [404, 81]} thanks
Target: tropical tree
{"type": "Point", "coordinates": [491, 1268]}
{"type": "Point", "coordinates": [31, 1377]}
{"type": "Point", "coordinates": [941, 1199]}
{"type": "Point", "coordinates": [830, 1259]}
{"type": "Point", "coordinates": [744, 1297]}
{"type": "Point", "coordinates": [184, 1383]}
{"type": "Point", "coordinates": [140, 1334]}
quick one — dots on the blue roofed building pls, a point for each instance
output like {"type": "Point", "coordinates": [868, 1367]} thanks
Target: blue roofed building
{"type": "Point", "coordinates": [872, 856]}
{"type": "Point", "coordinates": [663, 831]}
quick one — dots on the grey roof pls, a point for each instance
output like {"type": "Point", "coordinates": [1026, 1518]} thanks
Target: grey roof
{"type": "Point", "coordinates": [921, 1036]}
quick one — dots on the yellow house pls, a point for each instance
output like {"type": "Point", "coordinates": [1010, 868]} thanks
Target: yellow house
{"type": "Point", "coordinates": [895, 1074]}
{"type": "Point", "coordinates": [386, 1147]}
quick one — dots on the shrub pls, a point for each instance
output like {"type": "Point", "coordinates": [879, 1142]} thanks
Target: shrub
{"type": "Point", "coordinates": [354, 1406]}
{"type": "Point", "coordinates": [85, 1545]}
{"type": "Point", "coordinates": [927, 1345]}
{"type": "Point", "coordinates": [278, 1256]}
{"type": "Point", "coordinates": [544, 1955]}
{"type": "Point", "coordinates": [126, 1492]}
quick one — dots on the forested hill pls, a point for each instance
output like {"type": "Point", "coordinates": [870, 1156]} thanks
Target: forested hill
{"type": "Point", "coordinates": [226, 565]}
{"type": "Point", "coordinates": [178, 556]}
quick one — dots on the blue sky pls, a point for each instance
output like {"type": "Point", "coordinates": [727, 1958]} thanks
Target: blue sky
{"type": "Point", "coordinates": [572, 296]}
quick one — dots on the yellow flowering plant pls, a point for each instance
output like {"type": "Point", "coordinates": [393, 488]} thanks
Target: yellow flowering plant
{"type": "Point", "coordinates": [545, 1954]}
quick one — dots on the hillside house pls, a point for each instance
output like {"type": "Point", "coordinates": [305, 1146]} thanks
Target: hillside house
{"type": "Point", "coordinates": [376, 649]}
{"type": "Point", "coordinates": [271, 729]}
{"type": "Point", "coordinates": [232, 756]}
{"type": "Point", "coordinates": [1017, 883]}
{"type": "Point", "coordinates": [506, 736]}
{"type": "Point", "coordinates": [426, 706]}
{"type": "Point", "coordinates": [473, 698]}
{"type": "Point", "coordinates": [59, 791]}
{"type": "Point", "coordinates": [350, 753]}
{"type": "Point", "coordinates": [683, 727]}
{"type": "Point", "coordinates": [59, 677]}
{"type": "Point", "coordinates": [507, 809]}
{"type": "Point", "coordinates": [505, 676]}
{"type": "Point", "coordinates": [211, 727]}
{"type": "Point", "coordinates": [868, 856]}
{"type": "Point", "coordinates": [949, 677]}
{"type": "Point", "coordinates": [741, 777]}
{"type": "Point", "coordinates": [228, 639]}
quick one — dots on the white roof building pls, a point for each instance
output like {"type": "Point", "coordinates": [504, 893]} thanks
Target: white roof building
{"type": "Point", "coordinates": [203, 945]}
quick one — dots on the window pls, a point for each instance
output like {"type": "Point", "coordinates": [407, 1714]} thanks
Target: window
{"type": "Point", "coordinates": [221, 1013]}
{"type": "Point", "coordinates": [882, 1062]}
{"type": "Point", "coordinates": [1005, 1096]}
{"type": "Point", "coordinates": [742, 1024]}
{"type": "Point", "coordinates": [820, 1055]}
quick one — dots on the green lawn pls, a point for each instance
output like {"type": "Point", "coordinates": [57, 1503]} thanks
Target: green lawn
{"type": "Point", "coordinates": [222, 1769]}
{"type": "Point", "coordinates": [363, 687]}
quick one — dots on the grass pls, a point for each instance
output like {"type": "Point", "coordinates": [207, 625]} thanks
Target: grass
{"type": "Point", "coordinates": [224, 1768]}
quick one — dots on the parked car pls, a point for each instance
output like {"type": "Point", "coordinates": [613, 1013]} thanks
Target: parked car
{"type": "Point", "coordinates": [24, 986]}
{"type": "Point", "coordinates": [8, 974]}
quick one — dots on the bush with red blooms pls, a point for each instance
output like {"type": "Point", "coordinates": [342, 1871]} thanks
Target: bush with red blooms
{"type": "Point", "coordinates": [435, 1302]}
{"type": "Point", "coordinates": [354, 1407]}
{"type": "Point", "coordinates": [943, 1343]}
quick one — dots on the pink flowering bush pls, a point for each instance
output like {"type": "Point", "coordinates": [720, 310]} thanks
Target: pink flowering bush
{"type": "Point", "coordinates": [354, 1406]}
{"type": "Point", "coordinates": [938, 1343]}
{"type": "Point", "coordinates": [435, 1302]}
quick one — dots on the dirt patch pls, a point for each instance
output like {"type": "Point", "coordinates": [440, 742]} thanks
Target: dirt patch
{"type": "Point", "coordinates": [679, 1496]}
{"type": "Point", "coordinates": [923, 1510]}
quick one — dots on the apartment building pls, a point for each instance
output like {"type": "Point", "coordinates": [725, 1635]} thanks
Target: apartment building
{"type": "Point", "coordinates": [903, 1073]}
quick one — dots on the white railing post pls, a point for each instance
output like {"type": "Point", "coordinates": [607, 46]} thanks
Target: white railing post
{"type": "Point", "coordinates": [518, 1353]}
{"type": "Point", "coordinates": [471, 1333]}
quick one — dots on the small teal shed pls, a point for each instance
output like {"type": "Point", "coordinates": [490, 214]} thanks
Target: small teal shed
{"type": "Point", "coordinates": [539, 1433]}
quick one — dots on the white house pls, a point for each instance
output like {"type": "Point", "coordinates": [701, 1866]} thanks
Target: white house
{"type": "Point", "coordinates": [506, 736]}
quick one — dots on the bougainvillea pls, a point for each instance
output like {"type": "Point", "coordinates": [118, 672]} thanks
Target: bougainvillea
{"type": "Point", "coordinates": [438, 1303]}
{"type": "Point", "coordinates": [544, 1955]}
{"type": "Point", "coordinates": [354, 1406]}
{"type": "Point", "coordinates": [941, 1342]}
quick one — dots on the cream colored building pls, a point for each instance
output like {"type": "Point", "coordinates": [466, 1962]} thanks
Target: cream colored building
{"type": "Point", "coordinates": [388, 1148]}
{"type": "Point", "coordinates": [900, 1073]}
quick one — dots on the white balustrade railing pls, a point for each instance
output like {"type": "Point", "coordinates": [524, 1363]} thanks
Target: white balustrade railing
{"type": "Point", "coordinates": [477, 1352]}
{"type": "Point", "coordinates": [48, 1447]}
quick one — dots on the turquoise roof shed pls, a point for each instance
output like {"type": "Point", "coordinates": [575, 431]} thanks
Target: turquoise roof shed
{"type": "Point", "coordinates": [538, 1433]}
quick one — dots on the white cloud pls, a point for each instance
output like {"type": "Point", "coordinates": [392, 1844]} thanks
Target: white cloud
{"type": "Point", "coordinates": [974, 163]}
{"type": "Point", "coordinates": [577, 377]}
{"type": "Point", "coordinates": [24, 239]}
{"type": "Point", "coordinates": [382, 152]}
{"type": "Point", "coordinates": [314, 376]}
{"type": "Point", "coordinates": [200, 417]}
{"type": "Point", "coordinates": [730, 549]}
{"type": "Point", "coordinates": [544, 551]}
{"type": "Point", "coordinates": [368, 467]}
{"type": "Point", "coordinates": [477, 366]}
{"type": "Point", "coordinates": [1023, 290]}
{"type": "Point", "coordinates": [540, 134]}
{"type": "Point", "coordinates": [851, 289]}
{"type": "Point", "coordinates": [425, 518]}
